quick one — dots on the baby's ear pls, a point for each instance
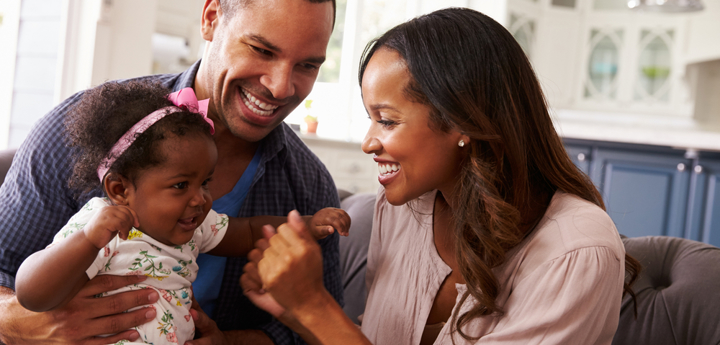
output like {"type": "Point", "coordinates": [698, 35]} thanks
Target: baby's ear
{"type": "Point", "coordinates": [117, 188]}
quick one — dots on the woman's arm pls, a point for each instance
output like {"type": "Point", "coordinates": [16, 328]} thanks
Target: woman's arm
{"type": "Point", "coordinates": [284, 277]}
{"type": "Point", "coordinates": [52, 276]}
{"type": "Point", "coordinates": [242, 233]}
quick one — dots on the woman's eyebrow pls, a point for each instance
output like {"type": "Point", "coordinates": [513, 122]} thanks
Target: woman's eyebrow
{"type": "Point", "coordinates": [383, 106]}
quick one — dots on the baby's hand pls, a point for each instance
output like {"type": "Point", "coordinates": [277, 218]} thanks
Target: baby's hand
{"type": "Point", "coordinates": [326, 220]}
{"type": "Point", "coordinates": [110, 221]}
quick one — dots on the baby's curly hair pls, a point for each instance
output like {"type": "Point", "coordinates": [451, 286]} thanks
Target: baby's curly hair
{"type": "Point", "coordinates": [106, 112]}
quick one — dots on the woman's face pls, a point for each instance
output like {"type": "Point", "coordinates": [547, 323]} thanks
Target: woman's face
{"type": "Point", "coordinates": [412, 158]}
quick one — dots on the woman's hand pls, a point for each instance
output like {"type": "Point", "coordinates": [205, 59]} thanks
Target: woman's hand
{"type": "Point", "coordinates": [284, 277]}
{"type": "Point", "coordinates": [291, 266]}
{"type": "Point", "coordinates": [252, 283]}
{"type": "Point", "coordinates": [285, 268]}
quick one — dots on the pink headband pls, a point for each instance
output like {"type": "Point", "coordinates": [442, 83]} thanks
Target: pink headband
{"type": "Point", "coordinates": [184, 98]}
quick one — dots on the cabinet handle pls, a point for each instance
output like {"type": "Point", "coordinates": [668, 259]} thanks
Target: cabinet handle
{"type": "Point", "coordinates": [681, 167]}
{"type": "Point", "coordinates": [581, 157]}
{"type": "Point", "coordinates": [698, 169]}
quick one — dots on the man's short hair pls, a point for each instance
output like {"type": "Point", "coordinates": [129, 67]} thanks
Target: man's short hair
{"type": "Point", "coordinates": [230, 7]}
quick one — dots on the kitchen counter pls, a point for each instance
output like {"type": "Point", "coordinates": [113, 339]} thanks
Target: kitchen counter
{"type": "Point", "coordinates": [676, 132]}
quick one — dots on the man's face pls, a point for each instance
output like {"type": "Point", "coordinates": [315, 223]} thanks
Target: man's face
{"type": "Point", "coordinates": [263, 61]}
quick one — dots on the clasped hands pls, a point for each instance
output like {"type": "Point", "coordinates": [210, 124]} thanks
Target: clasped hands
{"type": "Point", "coordinates": [284, 272]}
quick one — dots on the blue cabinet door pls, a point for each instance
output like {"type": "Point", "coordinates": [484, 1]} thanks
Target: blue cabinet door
{"type": "Point", "coordinates": [705, 221]}
{"type": "Point", "coordinates": [580, 155]}
{"type": "Point", "coordinates": [645, 192]}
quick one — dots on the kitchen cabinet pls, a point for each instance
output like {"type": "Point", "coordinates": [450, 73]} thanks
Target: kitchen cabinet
{"type": "Point", "coordinates": [651, 190]}
{"type": "Point", "coordinates": [704, 224]}
{"type": "Point", "coordinates": [601, 56]}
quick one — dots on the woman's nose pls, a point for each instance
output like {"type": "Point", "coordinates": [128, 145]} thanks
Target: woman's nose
{"type": "Point", "coordinates": [371, 144]}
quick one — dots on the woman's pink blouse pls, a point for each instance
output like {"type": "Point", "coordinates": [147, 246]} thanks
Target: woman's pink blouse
{"type": "Point", "coordinates": [561, 285]}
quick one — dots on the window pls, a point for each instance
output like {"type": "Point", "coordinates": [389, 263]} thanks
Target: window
{"type": "Point", "coordinates": [336, 100]}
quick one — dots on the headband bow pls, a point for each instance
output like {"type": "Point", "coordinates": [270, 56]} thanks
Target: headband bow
{"type": "Point", "coordinates": [184, 98]}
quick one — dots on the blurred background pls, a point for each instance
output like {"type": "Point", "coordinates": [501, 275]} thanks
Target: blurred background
{"type": "Point", "coordinates": [633, 86]}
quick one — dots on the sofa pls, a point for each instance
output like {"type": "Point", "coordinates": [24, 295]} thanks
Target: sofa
{"type": "Point", "coordinates": [677, 293]}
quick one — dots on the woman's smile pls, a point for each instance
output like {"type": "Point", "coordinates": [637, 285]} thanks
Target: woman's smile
{"type": "Point", "coordinates": [387, 170]}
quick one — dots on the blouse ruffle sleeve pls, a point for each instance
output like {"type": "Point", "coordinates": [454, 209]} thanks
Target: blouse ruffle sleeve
{"type": "Point", "coordinates": [572, 299]}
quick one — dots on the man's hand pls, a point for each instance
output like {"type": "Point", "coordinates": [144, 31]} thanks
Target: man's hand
{"type": "Point", "coordinates": [83, 318]}
{"type": "Point", "coordinates": [211, 335]}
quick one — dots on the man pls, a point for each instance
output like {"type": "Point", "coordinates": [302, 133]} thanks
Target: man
{"type": "Point", "coordinates": [260, 62]}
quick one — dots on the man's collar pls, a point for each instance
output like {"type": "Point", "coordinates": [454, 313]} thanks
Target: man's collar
{"type": "Point", "coordinates": [275, 141]}
{"type": "Point", "coordinates": [187, 78]}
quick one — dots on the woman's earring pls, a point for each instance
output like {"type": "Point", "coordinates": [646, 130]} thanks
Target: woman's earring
{"type": "Point", "coordinates": [461, 143]}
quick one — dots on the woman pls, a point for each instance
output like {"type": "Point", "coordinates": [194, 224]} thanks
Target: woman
{"type": "Point", "coordinates": [484, 230]}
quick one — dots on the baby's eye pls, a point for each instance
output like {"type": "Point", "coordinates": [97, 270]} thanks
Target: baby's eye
{"type": "Point", "coordinates": [205, 183]}
{"type": "Point", "coordinates": [181, 185]}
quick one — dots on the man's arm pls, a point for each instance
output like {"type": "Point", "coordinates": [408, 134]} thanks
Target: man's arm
{"type": "Point", "coordinates": [242, 233]}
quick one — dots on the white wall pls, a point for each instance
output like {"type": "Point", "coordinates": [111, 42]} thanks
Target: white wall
{"type": "Point", "coordinates": [704, 27]}
{"type": "Point", "coordinates": [10, 11]}
{"type": "Point", "coordinates": [64, 47]}
{"type": "Point", "coordinates": [35, 65]}
{"type": "Point", "coordinates": [123, 43]}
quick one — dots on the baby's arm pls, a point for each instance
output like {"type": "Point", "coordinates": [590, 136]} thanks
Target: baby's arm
{"type": "Point", "coordinates": [242, 233]}
{"type": "Point", "coordinates": [52, 276]}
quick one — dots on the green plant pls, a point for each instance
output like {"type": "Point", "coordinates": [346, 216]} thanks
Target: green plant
{"type": "Point", "coordinates": [656, 72]}
{"type": "Point", "coordinates": [308, 117]}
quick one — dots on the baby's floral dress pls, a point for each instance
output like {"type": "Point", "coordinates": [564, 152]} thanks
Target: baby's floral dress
{"type": "Point", "coordinates": [170, 270]}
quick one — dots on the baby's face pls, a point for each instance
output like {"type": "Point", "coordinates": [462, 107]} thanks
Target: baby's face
{"type": "Point", "coordinates": [172, 199]}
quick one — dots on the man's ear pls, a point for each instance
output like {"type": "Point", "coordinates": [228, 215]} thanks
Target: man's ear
{"type": "Point", "coordinates": [117, 188]}
{"type": "Point", "coordinates": [210, 17]}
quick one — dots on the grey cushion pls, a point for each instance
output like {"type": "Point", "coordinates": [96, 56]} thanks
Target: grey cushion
{"type": "Point", "coordinates": [678, 293]}
{"type": "Point", "coordinates": [6, 157]}
{"type": "Point", "coordinates": [353, 251]}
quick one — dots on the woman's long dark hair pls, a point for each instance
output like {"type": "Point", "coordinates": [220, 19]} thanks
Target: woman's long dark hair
{"type": "Point", "coordinates": [476, 79]}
